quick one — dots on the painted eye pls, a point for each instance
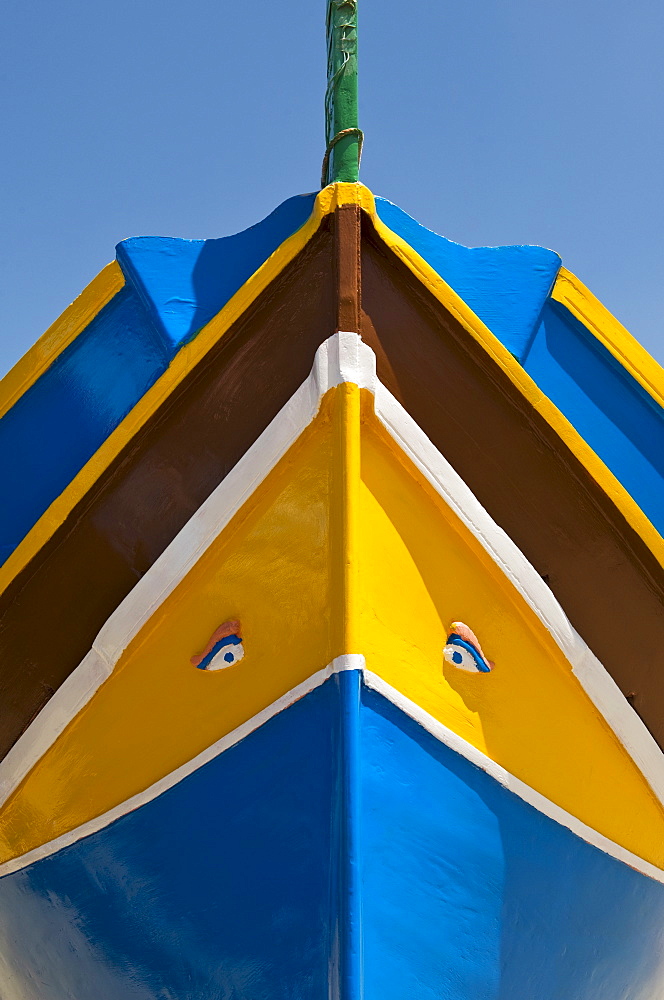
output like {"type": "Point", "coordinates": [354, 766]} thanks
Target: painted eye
{"type": "Point", "coordinates": [225, 654]}
{"type": "Point", "coordinates": [461, 658]}
{"type": "Point", "coordinates": [463, 650]}
{"type": "Point", "coordinates": [224, 648]}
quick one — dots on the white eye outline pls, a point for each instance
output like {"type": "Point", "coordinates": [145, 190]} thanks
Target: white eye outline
{"type": "Point", "coordinates": [226, 652]}
{"type": "Point", "coordinates": [219, 661]}
{"type": "Point", "coordinates": [464, 656]}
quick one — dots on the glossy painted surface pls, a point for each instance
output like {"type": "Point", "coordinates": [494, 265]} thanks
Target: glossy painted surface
{"type": "Point", "coordinates": [184, 283]}
{"type": "Point", "coordinates": [526, 465]}
{"type": "Point", "coordinates": [275, 549]}
{"type": "Point", "coordinates": [66, 328]}
{"type": "Point", "coordinates": [346, 518]}
{"type": "Point", "coordinates": [433, 880]}
{"type": "Point", "coordinates": [570, 292]}
{"type": "Point", "coordinates": [420, 568]}
{"type": "Point", "coordinates": [155, 478]}
{"type": "Point", "coordinates": [325, 202]}
{"type": "Point", "coordinates": [174, 287]}
{"type": "Point", "coordinates": [54, 428]}
{"type": "Point", "coordinates": [507, 366]}
{"type": "Point", "coordinates": [240, 307]}
{"type": "Point", "coordinates": [236, 882]}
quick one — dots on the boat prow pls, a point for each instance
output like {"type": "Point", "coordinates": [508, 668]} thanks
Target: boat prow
{"type": "Point", "coordinates": [345, 708]}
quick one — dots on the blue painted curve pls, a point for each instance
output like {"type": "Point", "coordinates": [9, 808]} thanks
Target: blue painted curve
{"type": "Point", "coordinates": [173, 288]}
{"type": "Point", "coordinates": [235, 882]}
{"type": "Point", "coordinates": [184, 283]}
{"type": "Point", "coordinates": [55, 427]}
{"type": "Point", "coordinates": [505, 286]}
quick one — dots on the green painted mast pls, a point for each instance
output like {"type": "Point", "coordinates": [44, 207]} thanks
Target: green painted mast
{"type": "Point", "coordinates": [343, 136]}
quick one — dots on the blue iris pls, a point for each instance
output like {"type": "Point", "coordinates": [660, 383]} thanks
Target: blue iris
{"type": "Point", "coordinates": [229, 657]}
{"type": "Point", "coordinates": [457, 657]}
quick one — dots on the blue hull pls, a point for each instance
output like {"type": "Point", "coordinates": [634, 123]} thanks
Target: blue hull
{"type": "Point", "coordinates": [339, 850]}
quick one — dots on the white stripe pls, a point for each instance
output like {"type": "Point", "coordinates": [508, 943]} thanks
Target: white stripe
{"type": "Point", "coordinates": [410, 708]}
{"type": "Point", "coordinates": [342, 358]}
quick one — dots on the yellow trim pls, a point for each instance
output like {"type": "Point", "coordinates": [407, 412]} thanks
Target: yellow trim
{"type": "Point", "coordinates": [343, 548]}
{"type": "Point", "coordinates": [587, 308]}
{"type": "Point", "coordinates": [327, 201]}
{"type": "Point", "coordinates": [60, 335]}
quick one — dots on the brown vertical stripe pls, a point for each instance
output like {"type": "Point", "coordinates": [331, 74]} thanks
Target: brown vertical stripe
{"type": "Point", "coordinates": [347, 236]}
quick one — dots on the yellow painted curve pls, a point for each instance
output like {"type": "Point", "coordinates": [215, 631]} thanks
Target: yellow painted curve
{"type": "Point", "coordinates": [344, 548]}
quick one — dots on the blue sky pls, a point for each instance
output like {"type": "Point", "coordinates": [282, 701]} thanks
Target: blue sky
{"type": "Point", "coordinates": [517, 122]}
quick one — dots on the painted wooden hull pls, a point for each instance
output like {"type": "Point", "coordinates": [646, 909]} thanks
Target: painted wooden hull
{"type": "Point", "coordinates": [272, 758]}
{"type": "Point", "coordinates": [233, 881]}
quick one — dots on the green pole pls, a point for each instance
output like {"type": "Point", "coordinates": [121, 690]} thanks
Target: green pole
{"type": "Point", "coordinates": [343, 137]}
